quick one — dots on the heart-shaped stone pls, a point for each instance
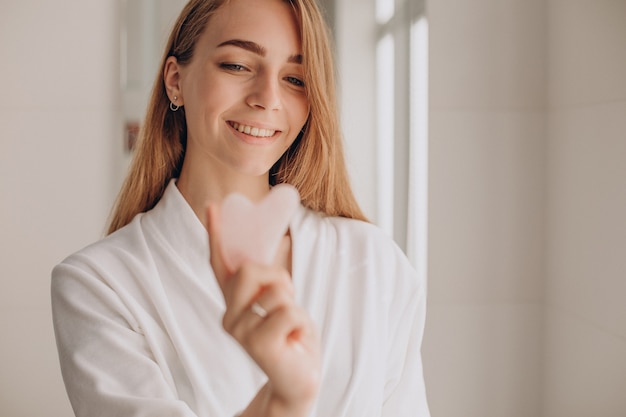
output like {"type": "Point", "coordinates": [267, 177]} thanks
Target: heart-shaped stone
{"type": "Point", "coordinates": [252, 232]}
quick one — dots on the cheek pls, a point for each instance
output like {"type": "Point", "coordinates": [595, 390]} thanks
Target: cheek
{"type": "Point", "coordinates": [300, 111]}
{"type": "Point", "coordinates": [207, 91]}
{"type": "Point", "coordinates": [208, 103]}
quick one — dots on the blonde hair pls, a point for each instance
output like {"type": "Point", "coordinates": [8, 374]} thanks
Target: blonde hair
{"type": "Point", "coordinates": [314, 163]}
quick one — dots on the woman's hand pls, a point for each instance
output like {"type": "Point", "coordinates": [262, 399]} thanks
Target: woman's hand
{"type": "Point", "coordinates": [280, 336]}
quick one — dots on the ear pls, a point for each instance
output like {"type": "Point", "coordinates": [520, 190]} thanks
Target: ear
{"type": "Point", "coordinates": [173, 81]}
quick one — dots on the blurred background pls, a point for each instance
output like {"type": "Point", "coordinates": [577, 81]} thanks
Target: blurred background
{"type": "Point", "coordinates": [488, 137]}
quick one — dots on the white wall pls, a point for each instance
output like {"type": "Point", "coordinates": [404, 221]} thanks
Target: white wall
{"type": "Point", "coordinates": [60, 145]}
{"type": "Point", "coordinates": [483, 340]}
{"type": "Point", "coordinates": [585, 356]}
{"type": "Point", "coordinates": [527, 199]}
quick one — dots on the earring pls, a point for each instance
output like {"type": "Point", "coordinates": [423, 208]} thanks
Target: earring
{"type": "Point", "coordinates": [174, 107]}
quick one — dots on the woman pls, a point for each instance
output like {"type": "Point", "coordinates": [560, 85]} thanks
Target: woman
{"type": "Point", "coordinates": [149, 320]}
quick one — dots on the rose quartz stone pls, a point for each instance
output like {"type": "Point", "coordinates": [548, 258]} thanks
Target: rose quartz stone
{"type": "Point", "coordinates": [252, 232]}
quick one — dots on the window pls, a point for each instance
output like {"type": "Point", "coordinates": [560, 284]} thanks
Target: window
{"type": "Point", "coordinates": [402, 124]}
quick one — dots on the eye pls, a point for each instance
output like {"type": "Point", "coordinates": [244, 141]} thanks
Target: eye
{"type": "Point", "coordinates": [295, 81]}
{"type": "Point", "coordinates": [233, 67]}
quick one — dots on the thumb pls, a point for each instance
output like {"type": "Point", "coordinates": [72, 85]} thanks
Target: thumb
{"type": "Point", "coordinates": [213, 216]}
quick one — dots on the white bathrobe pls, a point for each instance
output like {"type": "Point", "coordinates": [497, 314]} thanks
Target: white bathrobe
{"type": "Point", "coordinates": [138, 314]}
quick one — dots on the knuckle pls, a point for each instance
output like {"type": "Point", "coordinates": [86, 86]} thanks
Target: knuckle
{"type": "Point", "coordinates": [244, 275]}
{"type": "Point", "coordinates": [249, 340]}
{"type": "Point", "coordinates": [289, 313]}
{"type": "Point", "coordinates": [238, 333]}
{"type": "Point", "coordinates": [228, 322]}
{"type": "Point", "coordinates": [279, 294]}
{"type": "Point", "coordinates": [284, 277]}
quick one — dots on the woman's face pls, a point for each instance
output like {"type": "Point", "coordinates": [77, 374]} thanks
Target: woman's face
{"type": "Point", "coordinates": [243, 91]}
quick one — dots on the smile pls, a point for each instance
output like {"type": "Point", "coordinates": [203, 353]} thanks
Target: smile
{"type": "Point", "coordinates": [253, 131]}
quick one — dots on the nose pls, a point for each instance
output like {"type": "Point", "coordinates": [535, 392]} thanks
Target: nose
{"type": "Point", "coordinates": [265, 93]}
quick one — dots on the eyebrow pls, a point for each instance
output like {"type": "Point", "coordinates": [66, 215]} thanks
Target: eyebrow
{"type": "Point", "coordinates": [257, 49]}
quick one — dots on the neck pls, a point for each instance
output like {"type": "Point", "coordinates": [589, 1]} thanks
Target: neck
{"type": "Point", "coordinates": [201, 187]}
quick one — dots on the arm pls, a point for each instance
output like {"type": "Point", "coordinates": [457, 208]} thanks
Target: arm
{"type": "Point", "coordinates": [107, 366]}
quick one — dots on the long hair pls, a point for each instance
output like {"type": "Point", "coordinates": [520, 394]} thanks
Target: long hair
{"type": "Point", "coordinates": [314, 163]}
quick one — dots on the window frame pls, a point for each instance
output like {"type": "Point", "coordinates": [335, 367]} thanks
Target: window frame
{"type": "Point", "coordinates": [403, 211]}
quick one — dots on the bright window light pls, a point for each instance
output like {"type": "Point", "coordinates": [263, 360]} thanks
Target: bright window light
{"type": "Point", "coordinates": [384, 10]}
{"type": "Point", "coordinates": [418, 175]}
{"type": "Point", "coordinates": [385, 132]}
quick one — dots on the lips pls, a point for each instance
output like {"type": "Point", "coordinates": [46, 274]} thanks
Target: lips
{"type": "Point", "coordinates": [253, 130]}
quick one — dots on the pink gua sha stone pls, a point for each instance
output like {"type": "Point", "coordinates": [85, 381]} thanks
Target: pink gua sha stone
{"type": "Point", "coordinates": [252, 232]}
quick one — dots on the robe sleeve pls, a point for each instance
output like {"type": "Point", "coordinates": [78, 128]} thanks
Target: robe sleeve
{"type": "Point", "coordinates": [107, 366]}
{"type": "Point", "coordinates": [405, 392]}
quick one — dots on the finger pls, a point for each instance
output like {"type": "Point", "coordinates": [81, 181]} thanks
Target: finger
{"type": "Point", "coordinates": [282, 257]}
{"type": "Point", "coordinates": [274, 297]}
{"type": "Point", "coordinates": [271, 299]}
{"type": "Point", "coordinates": [246, 285]}
{"type": "Point", "coordinates": [215, 245]}
{"type": "Point", "coordinates": [288, 327]}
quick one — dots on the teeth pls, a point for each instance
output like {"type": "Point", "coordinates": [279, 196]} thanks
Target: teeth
{"type": "Point", "coordinates": [253, 131]}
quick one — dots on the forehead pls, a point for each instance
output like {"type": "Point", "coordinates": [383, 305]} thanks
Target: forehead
{"type": "Point", "coordinates": [269, 23]}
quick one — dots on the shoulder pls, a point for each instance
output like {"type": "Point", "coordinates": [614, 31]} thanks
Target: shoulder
{"type": "Point", "coordinates": [357, 241]}
{"type": "Point", "coordinates": [105, 258]}
{"type": "Point", "coordinates": [122, 240]}
{"type": "Point", "coordinates": [350, 233]}
{"type": "Point", "coordinates": [101, 282]}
